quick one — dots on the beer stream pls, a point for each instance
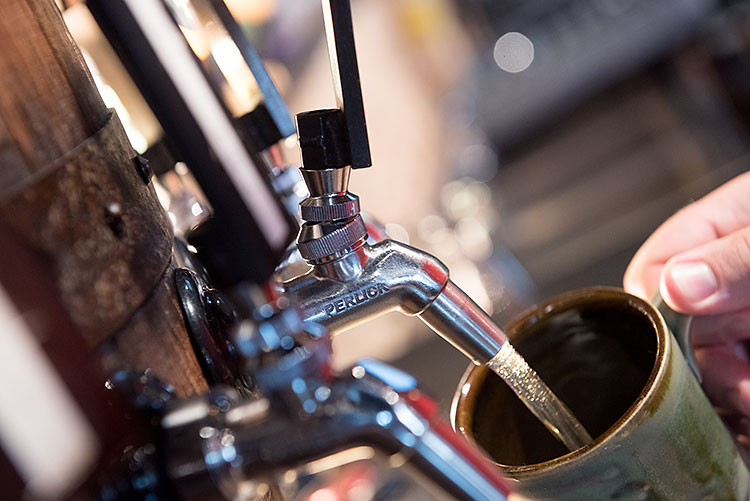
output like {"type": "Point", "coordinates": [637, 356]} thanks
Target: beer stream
{"type": "Point", "coordinates": [538, 398]}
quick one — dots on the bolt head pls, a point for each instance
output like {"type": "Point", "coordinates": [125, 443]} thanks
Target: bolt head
{"type": "Point", "coordinates": [143, 167]}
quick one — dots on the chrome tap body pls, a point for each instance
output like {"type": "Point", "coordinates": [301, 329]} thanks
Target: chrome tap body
{"type": "Point", "coordinates": [372, 280]}
{"type": "Point", "coordinates": [352, 281]}
{"type": "Point", "coordinates": [219, 447]}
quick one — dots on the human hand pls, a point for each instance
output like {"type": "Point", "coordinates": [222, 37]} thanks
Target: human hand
{"type": "Point", "coordinates": [700, 261]}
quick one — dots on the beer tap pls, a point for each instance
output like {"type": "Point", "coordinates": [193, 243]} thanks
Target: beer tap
{"type": "Point", "coordinates": [218, 445]}
{"type": "Point", "coordinates": [352, 281]}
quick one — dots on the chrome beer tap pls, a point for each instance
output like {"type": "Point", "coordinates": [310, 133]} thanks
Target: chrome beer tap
{"type": "Point", "coordinates": [221, 447]}
{"type": "Point", "coordinates": [352, 281]}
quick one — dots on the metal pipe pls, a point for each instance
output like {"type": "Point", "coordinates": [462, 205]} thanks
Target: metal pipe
{"type": "Point", "coordinates": [459, 320]}
{"type": "Point", "coordinates": [237, 449]}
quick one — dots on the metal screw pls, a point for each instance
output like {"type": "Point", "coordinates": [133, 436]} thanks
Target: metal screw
{"type": "Point", "coordinates": [143, 167]}
{"type": "Point", "coordinates": [113, 218]}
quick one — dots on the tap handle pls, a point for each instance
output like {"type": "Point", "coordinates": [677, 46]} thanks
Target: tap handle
{"type": "Point", "coordinates": [250, 230]}
{"type": "Point", "coordinates": [323, 139]}
{"type": "Point", "coordinates": [273, 105]}
{"type": "Point", "coordinates": [337, 15]}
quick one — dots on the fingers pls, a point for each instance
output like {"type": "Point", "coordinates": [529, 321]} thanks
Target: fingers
{"type": "Point", "coordinates": [727, 328]}
{"type": "Point", "coordinates": [726, 377]}
{"type": "Point", "coordinates": [685, 230]}
{"type": "Point", "coordinates": [720, 213]}
{"type": "Point", "coordinates": [710, 279]}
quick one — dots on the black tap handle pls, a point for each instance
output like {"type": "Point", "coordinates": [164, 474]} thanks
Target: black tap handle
{"type": "Point", "coordinates": [337, 15]}
{"type": "Point", "coordinates": [274, 104]}
{"type": "Point", "coordinates": [249, 231]}
{"type": "Point", "coordinates": [323, 139]}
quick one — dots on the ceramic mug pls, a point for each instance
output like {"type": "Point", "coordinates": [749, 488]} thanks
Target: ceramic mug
{"type": "Point", "coordinates": [612, 358]}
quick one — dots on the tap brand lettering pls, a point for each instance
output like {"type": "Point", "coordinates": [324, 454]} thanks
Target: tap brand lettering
{"type": "Point", "coordinates": [355, 299]}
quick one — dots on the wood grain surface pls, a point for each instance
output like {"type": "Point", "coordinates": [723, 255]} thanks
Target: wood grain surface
{"type": "Point", "coordinates": [70, 190]}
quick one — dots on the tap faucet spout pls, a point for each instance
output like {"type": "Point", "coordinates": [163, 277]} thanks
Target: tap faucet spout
{"type": "Point", "coordinates": [388, 276]}
{"type": "Point", "coordinates": [464, 324]}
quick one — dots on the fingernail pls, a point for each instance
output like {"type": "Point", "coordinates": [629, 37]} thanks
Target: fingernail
{"type": "Point", "coordinates": [694, 281]}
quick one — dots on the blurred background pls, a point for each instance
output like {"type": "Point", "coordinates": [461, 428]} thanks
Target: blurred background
{"type": "Point", "coordinates": [531, 146]}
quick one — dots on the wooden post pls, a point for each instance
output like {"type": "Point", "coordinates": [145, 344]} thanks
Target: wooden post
{"type": "Point", "coordinates": [71, 190]}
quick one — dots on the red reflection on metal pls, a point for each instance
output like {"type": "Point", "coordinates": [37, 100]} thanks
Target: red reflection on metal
{"type": "Point", "coordinates": [435, 271]}
{"type": "Point", "coordinates": [428, 409]}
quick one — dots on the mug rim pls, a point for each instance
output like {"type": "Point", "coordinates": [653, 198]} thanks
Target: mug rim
{"type": "Point", "coordinates": [464, 400]}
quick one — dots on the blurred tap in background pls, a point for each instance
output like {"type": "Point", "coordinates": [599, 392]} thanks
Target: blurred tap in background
{"type": "Point", "coordinates": [313, 432]}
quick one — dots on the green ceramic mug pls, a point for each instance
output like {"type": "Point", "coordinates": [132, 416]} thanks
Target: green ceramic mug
{"type": "Point", "coordinates": [613, 360]}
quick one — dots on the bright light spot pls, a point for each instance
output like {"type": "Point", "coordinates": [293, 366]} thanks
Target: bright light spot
{"type": "Point", "coordinates": [255, 12]}
{"type": "Point", "coordinates": [266, 310]}
{"type": "Point", "coordinates": [309, 406]}
{"type": "Point", "coordinates": [397, 232]}
{"type": "Point", "coordinates": [112, 100]}
{"type": "Point", "coordinates": [514, 52]}
{"type": "Point", "coordinates": [181, 168]}
{"type": "Point", "coordinates": [298, 385]}
{"type": "Point", "coordinates": [196, 209]}
{"type": "Point", "coordinates": [363, 488]}
{"type": "Point", "coordinates": [165, 198]}
{"type": "Point", "coordinates": [391, 397]}
{"type": "Point", "coordinates": [229, 454]}
{"type": "Point", "coordinates": [397, 460]}
{"type": "Point", "coordinates": [384, 418]}
{"type": "Point", "coordinates": [322, 393]}
{"type": "Point", "coordinates": [207, 432]}
{"type": "Point", "coordinates": [324, 495]}
{"type": "Point", "coordinates": [290, 142]}
{"type": "Point", "coordinates": [429, 227]}
{"type": "Point", "coordinates": [237, 74]}
{"type": "Point", "coordinates": [213, 458]}
{"type": "Point", "coordinates": [475, 239]}
{"type": "Point", "coordinates": [339, 459]}
{"type": "Point", "coordinates": [290, 476]}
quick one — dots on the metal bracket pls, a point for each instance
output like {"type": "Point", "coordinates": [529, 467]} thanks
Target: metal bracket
{"type": "Point", "coordinates": [209, 320]}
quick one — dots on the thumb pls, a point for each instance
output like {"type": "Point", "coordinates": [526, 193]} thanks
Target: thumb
{"type": "Point", "coordinates": [710, 279]}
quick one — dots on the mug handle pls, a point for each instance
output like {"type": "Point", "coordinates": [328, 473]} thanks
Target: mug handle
{"type": "Point", "coordinates": [679, 324]}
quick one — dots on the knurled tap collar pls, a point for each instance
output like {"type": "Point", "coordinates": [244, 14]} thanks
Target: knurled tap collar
{"type": "Point", "coordinates": [338, 240]}
{"type": "Point", "coordinates": [316, 210]}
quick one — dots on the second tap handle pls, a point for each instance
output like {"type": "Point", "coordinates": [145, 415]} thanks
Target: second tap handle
{"type": "Point", "coordinates": [274, 105]}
